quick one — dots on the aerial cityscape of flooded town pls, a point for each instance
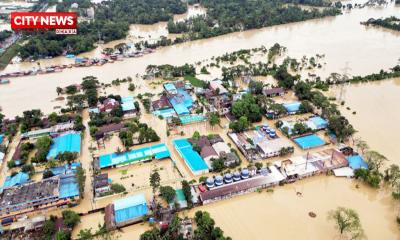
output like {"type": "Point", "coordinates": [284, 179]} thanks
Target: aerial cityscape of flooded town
{"type": "Point", "coordinates": [202, 119]}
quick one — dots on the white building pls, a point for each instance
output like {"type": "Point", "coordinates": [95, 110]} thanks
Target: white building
{"type": "Point", "coordinates": [272, 148]}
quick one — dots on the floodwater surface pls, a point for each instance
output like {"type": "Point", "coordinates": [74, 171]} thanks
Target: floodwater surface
{"type": "Point", "coordinates": [345, 42]}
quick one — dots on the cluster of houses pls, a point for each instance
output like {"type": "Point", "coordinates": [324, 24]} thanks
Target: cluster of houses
{"type": "Point", "coordinates": [20, 195]}
{"type": "Point", "coordinates": [177, 102]}
{"type": "Point", "coordinates": [260, 143]}
{"type": "Point", "coordinates": [127, 106]}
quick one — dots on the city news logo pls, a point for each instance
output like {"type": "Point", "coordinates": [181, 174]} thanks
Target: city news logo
{"type": "Point", "coordinates": [62, 22]}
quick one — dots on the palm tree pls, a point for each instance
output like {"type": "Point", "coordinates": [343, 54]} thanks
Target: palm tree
{"type": "Point", "coordinates": [361, 145]}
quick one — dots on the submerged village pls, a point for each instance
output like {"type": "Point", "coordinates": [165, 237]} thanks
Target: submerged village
{"type": "Point", "coordinates": [146, 156]}
{"type": "Point", "coordinates": [198, 149]}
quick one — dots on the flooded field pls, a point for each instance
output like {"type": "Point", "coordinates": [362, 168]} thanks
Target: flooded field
{"type": "Point", "coordinates": [343, 40]}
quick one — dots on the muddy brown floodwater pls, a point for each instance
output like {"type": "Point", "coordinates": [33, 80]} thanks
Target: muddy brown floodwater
{"type": "Point", "coordinates": [377, 115]}
{"type": "Point", "coordinates": [343, 40]}
{"type": "Point", "coordinates": [280, 215]}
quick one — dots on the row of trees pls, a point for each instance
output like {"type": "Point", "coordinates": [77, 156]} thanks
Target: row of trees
{"type": "Point", "coordinates": [389, 23]}
{"type": "Point", "coordinates": [206, 229]}
{"type": "Point", "coordinates": [111, 22]}
{"type": "Point", "coordinates": [230, 16]}
{"type": "Point", "coordinates": [136, 130]}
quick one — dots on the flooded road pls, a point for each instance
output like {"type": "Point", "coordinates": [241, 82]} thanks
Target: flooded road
{"type": "Point", "coordinates": [342, 39]}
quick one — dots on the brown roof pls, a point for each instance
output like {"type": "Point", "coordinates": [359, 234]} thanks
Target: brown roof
{"type": "Point", "coordinates": [113, 127]}
{"type": "Point", "coordinates": [161, 103]}
{"type": "Point", "coordinates": [202, 142]}
{"type": "Point", "coordinates": [233, 188]}
{"type": "Point", "coordinates": [273, 91]}
{"type": "Point", "coordinates": [208, 151]}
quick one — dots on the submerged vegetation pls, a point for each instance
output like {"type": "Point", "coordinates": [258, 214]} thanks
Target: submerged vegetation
{"type": "Point", "coordinates": [389, 23]}
{"type": "Point", "coordinates": [247, 15]}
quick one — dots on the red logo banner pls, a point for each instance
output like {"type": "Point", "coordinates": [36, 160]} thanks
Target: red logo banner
{"type": "Point", "coordinates": [39, 20]}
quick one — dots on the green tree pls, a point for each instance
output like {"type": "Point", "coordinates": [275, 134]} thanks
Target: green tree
{"type": "Point", "coordinates": [85, 234]}
{"type": "Point", "coordinates": [155, 180]}
{"type": "Point", "coordinates": [81, 176]}
{"type": "Point", "coordinates": [347, 222]}
{"type": "Point", "coordinates": [117, 188]}
{"type": "Point", "coordinates": [196, 135]}
{"type": "Point", "coordinates": [71, 218]}
{"type": "Point", "coordinates": [167, 193]}
{"type": "Point", "coordinates": [240, 125]}
{"type": "Point", "coordinates": [187, 192]}
{"type": "Point", "coordinates": [214, 119]}
{"type": "Point", "coordinates": [62, 235]}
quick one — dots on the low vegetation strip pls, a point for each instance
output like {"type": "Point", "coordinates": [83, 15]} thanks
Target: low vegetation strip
{"type": "Point", "coordinates": [392, 23]}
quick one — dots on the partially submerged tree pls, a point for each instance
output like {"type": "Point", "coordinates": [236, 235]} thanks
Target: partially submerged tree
{"type": "Point", "coordinates": [155, 180]}
{"type": "Point", "coordinates": [347, 222]}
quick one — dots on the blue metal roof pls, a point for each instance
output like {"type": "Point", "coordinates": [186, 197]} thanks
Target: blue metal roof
{"type": "Point", "coordinates": [18, 179]}
{"type": "Point", "coordinates": [356, 162]}
{"type": "Point", "coordinates": [70, 142]}
{"type": "Point", "coordinates": [292, 107]}
{"type": "Point", "coordinates": [170, 87]}
{"type": "Point", "coordinates": [130, 208]}
{"type": "Point", "coordinates": [191, 157]}
{"type": "Point", "coordinates": [159, 151]}
{"type": "Point", "coordinates": [1, 138]}
{"type": "Point", "coordinates": [69, 186]}
{"type": "Point", "coordinates": [128, 104]}
{"type": "Point", "coordinates": [66, 169]}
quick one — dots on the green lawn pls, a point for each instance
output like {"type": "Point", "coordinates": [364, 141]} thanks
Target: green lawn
{"type": "Point", "coordinates": [195, 81]}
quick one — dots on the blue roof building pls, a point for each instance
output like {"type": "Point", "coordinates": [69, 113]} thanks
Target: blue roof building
{"type": "Point", "coordinates": [69, 186]}
{"type": "Point", "coordinates": [128, 104]}
{"type": "Point", "coordinates": [317, 123]}
{"type": "Point", "coordinates": [158, 151]}
{"type": "Point", "coordinates": [1, 138]}
{"type": "Point", "coordinates": [181, 102]}
{"type": "Point", "coordinates": [69, 142]}
{"type": "Point", "coordinates": [18, 179]}
{"type": "Point", "coordinates": [356, 162]}
{"type": "Point", "coordinates": [292, 107]}
{"type": "Point", "coordinates": [170, 88]}
{"type": "Point", "coordinates": [66, 169]}
{"type": "Point", "coordinates": [130, 209]}
{"type": "Point", "coordinates": [192, 158]}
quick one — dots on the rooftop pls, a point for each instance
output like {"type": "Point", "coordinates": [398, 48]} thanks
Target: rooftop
{"type": "Point", "coordinates": [273, 91]}
{"type": "Point", "coordinates": [159, 151]}
{"type": "Point", "coordinates": [129, 208]}
{"type": "Point", "coordinates": [128, 104]}
{"type": "Point", "coordinates": [69, 142]}
{"type": "Point", "coordinates": [30, 192]}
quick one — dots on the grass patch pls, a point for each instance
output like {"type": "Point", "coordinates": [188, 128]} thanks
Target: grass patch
{"type": "Point", "coordinates": [123, 172]}
{"type": "Point", "coordinates": [195, 81]}
{"type": "Point", "coordinates": [6, 57]}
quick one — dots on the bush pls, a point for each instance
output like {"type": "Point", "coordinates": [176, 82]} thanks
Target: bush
{"type": "Point", "coordinates": [71, 218]}
{"type": "Point", "coordinates": [117, 188]}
